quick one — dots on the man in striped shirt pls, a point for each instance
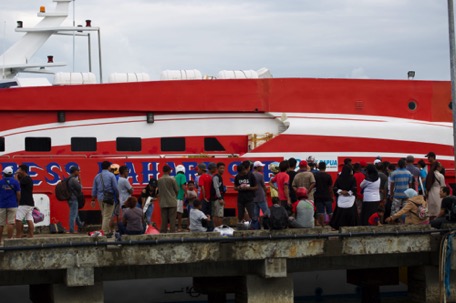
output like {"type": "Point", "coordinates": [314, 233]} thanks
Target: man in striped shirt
{"type": "Point", "coordinates": [401, 179]}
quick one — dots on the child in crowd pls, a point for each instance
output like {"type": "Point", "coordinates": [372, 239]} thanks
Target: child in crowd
{"type": "Point", "coordinates": [148, 196]}
{"type": "Point", "coordinates": [377, 218]}
{"type": "Point", "coordinates": [191, 195]}
{"type": "Point", "coordinates": [198, 220]}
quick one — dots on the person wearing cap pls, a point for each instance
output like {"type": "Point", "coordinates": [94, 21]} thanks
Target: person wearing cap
{"type": "Point", "coordinates": [434, 181]}
{"type": "Point", "coordinates": [304, 178]}
{"type": "Point", "coordinates": [148, 196]}
{"type": "Point", "coordinates": [245, 184]}
{"type": "Point", "coordinates": [167, 193]}
{"type": "Point", "coordinates": [26, 203]}
{"type": "Point", "coordinates": [205, 184]}
{"type": "Point", "coordinates": [415, 171]}
{"type": "Point", "coordinates": [303, 211]}
{"type": "Point", "coordinates": [115, 169]}
{"type": "Point", "coordinates": [431, 158]}
{"type": "Point", "coordinates": [105, 182]}
{"type": "Point", "coordinates": [74, 185]}
{"type": "Point", "coordinates": [218, 190]}
{"type": "Point", "coordinates": [10, 194]}
{"type": "Point", "coordinates": [259, 201]}
{"type": "Point", "coordinates": [312, 164]}
{"type": "Point", "coordinates": [181, 181]}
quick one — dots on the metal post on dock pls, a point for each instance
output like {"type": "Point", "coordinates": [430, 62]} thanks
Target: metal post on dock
{"type": "Point", "coordinates": [452, 65]}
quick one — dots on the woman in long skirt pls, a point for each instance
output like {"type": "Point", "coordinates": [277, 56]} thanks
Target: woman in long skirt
{"type": "Point", "coordinates": [345, 213]}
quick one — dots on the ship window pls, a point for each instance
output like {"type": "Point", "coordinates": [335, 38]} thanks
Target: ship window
{"type": "Point", "coordinates": [84, 144]}
{"type": "Point", "coordinates": [173, 144]}
{"type": "Point", "coordinates": [412, 105]}
{"type": "Point", "coordinates": [212, 144]}
{"type": "Point", "coordinates": [38, 144]}
{"type": "Point", "coordinates": [2, 144]}
{"type": "Point", "coordinates": [128, 144]}
{"type": "Point", "coordinates": [450, 105]}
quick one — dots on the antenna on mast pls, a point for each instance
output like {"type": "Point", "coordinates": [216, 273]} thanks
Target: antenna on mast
{"type": "Point", "coordinates": [74, 34]}
{"type": "Point", "coordinates": [3, 48]}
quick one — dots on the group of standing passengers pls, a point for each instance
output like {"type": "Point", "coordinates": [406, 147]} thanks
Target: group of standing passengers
{"type": "Point", "coordinates": [16, 202]}
{"type": "Point", "coordinates": [117, 204]}
{"type": "Point", "coordinates": [381, 193]}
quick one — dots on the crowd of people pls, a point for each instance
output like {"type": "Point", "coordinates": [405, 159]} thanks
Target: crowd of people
{"type": "Point", "coordinates": [303, 195]}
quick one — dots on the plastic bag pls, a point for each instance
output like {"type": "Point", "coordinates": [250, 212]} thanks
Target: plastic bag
{"type": "Point", "coordinates": [224, 230]}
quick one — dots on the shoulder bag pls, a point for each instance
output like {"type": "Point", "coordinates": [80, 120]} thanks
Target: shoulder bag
{"type": "Point", "coordinates": [108, 197]}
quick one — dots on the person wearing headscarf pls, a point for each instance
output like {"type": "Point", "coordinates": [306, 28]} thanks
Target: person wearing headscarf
{"type": "Point", "coordinates": [411, 209]}
{"type": "Point", "coordinates": [345, 213]}
{"type": "Point", "coordinates": [434, 181]}
{"type": "Point", "coordinates": [370, 187]}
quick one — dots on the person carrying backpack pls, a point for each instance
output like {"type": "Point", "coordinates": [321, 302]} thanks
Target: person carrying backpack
{"type": "Point", "coordinates": [278, 218]}
{"type": "Point", "coordinates": [448, 209]}
{"type": "Point", "coordinates": [75, 189]}
{"type": "Point", "coordinates": [415, 209]}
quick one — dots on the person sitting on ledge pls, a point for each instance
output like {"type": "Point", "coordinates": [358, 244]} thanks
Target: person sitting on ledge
{"type": "Point", "coordinates": [132, 219]}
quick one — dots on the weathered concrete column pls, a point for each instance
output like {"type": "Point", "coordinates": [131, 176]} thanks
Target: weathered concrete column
{"type": "Point", "coordinates": [80, 276]}
{"type": "Point", "coordinates": [260, 290]}
{"type": "Point", "coordinates": [274, 268]}
{"type": "Point", "coordinates": [65, 294]}
{"type": "Point", "coordinates": [423, 284]}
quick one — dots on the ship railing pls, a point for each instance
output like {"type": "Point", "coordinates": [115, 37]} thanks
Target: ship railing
{"type": "Point", "coordinates": [167, 156]}
{"type": "Point", "coordinates": [76, 156]}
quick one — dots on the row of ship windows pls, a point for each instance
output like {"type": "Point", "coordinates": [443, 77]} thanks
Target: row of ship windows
{"type": "Point", "coordinates": [123, 144]}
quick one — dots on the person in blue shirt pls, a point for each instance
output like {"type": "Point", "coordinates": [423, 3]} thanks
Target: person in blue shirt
{"type": "Point", "coordinates": [10, 193]}
{"type": "Point", "coordinates": [105, 190]}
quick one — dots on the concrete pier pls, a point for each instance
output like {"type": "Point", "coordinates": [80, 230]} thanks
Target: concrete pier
{"type": "Point", "coordinates": [73, 268]}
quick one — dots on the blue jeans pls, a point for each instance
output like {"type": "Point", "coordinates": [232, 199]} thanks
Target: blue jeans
{"type": "Point", "coordinates": [74, 215]}
{"type": "Point", "coordinates": [149, 212]}
{"type": "Point", "coordinates": [263, 206]}
{"type": "Point", "coordinates": [255, 224]}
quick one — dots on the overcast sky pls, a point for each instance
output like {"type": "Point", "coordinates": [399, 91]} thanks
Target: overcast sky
{"type": "Point", "coordinates": [293, 38]}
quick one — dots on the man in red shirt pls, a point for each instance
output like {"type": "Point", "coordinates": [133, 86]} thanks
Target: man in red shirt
{"type": "Point", "coordinates": [283, 179]}
{"type": "Point", "coordinates": [205, 184]}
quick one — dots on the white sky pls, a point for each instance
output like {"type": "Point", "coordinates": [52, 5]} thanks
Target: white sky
{"type": "Point", "coordinates": [293, 38]}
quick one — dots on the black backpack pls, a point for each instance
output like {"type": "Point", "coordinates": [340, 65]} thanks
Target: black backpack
{"type": "Point", "coordinates": [62, 190]}
{"type": "Point", "coordinates": [278, 219]}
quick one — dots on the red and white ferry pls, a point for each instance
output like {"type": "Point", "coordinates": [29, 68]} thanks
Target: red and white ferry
{"type": "Point", "coordinates": [187, 118]}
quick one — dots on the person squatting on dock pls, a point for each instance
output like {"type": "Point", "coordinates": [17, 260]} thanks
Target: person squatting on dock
{"type": "Point", "coordinates": [10, 194]}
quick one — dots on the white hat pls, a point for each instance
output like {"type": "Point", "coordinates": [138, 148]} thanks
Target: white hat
{"type": "Point", "coordinates": [377, 161]}
{"type": "Point", "coordinates": [8, 170]}
{"type": "Point", "coordinates": [180, 168]}
{"type": "Point", "coordinates": [258, 163]}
